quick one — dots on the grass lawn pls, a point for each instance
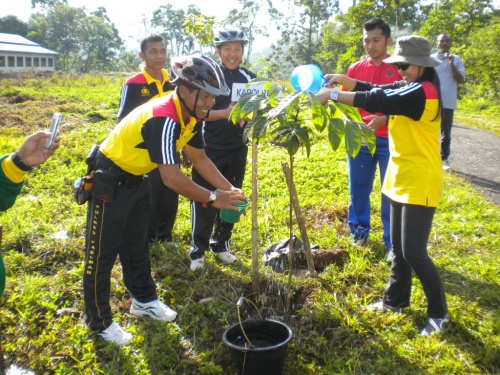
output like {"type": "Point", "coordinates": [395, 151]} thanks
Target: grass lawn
{"type": "Point", "coordinates": [41, 311]}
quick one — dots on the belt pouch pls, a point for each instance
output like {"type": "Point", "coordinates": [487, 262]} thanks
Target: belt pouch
{"type": "Point", "coordinates": [104, 185]}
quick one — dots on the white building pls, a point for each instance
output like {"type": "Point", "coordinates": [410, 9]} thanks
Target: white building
{"type": "Point", "coordinates": [18, 54]}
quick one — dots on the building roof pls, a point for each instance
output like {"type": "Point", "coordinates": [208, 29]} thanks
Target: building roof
{"type": "Point", "coordinates": [18, 44]}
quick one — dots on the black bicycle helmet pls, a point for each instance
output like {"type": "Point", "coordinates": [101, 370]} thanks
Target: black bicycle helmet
{"type": "Point", "coordinates": [199, 72]}
{"type": "Point", "coordinates": [229, 35]}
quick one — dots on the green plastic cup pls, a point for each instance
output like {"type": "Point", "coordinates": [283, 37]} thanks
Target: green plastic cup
{"type": "Point", "coordinates": [230, 216]}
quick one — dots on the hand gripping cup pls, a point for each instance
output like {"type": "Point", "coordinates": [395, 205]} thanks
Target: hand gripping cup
{"type": "Point", "coordinates": [230, 216]}
{"type": "Point", "coordinates": [307, 78]}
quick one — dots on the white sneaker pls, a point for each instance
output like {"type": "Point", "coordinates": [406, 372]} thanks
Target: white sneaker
{"type": "Point", "coordinates": [446, 165]}
{"type": "Point", "coordinates": [156, 310]}
{"type": "Point", "coordinates": [197, 264]}
{"type": "Point", "coordinates": [381, 306]}
{"type": "Point", "coordinates": [390, 256]}
{"type": "Point", "coordinates": [114, 333]}
{"type": "Point", "coordinates": [227, 257]}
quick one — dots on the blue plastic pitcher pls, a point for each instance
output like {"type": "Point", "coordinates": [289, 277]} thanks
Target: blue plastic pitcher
{"type": "Point", "coordinates": [307, 78]}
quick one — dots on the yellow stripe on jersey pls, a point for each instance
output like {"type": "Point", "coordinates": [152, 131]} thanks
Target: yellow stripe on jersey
{"type": "Point", "coordinates": [186, 130]}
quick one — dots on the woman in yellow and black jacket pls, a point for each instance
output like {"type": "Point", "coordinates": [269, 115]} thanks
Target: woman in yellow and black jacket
{"type": "Point", "coordinates": [414, 177]}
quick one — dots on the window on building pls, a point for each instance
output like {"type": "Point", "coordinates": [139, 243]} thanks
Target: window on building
{"type": "Point", "coordinates": [11, 61]}
{"type": "Point", "coordinates": [20, 61]}
{"type": "Point", "coordinates": [44, 62]}
{"type": "Point", "coordinates": [50, 61]}
{"type": "Point", "coordinates": [2, 61]}
{"type": "Point", "coordinates": [36, 62]}
{"type": "Point", "coordinates": [28, 62]}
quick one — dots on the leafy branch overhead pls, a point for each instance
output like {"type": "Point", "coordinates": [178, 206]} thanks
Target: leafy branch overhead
{"type": "Point", "coordinates": [293, 119]}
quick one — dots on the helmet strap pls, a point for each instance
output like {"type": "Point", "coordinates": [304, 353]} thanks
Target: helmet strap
{"type": "Point", "coordinates": [192, 112]}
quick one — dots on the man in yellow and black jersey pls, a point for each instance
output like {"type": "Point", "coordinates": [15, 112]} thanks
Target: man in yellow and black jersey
{"type": "Point", "coordinates": [152, 82]}
{"type": "Point", "coordinates": [149, 137]}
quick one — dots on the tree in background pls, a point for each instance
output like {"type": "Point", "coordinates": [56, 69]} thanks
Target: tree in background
{"type": "Point", "coordinates": [471, 25]}
{"type": "Point", "coordinates": [84, 42]}
{"type": "Point", "coordinates": [200, 28]}
{"type": "Point", "coordinates": [345, 31]}
{"type": "Point", "coordinates": [100, 43]}
{"type": "Point", "coordinates": [245, 19]}
{"type": "Point", "coordinates": [48, 3]}
{"type": "Point", "coordinates": [59, 31]}
{"type": "Point", "coordinates": [458, 18]}
{"type": "Point", "coordinates": [13, 25]}
{"type": "Point", "coordinates": [317, 32]}
{"type": "Point", "coordinates": [482, 62]}
{"type": "Point", "coordinates": [170, 23]}
{"type": "Point", "coordinates": [300, 37]}
{"type": "Point", "coordinates": [335, 45]}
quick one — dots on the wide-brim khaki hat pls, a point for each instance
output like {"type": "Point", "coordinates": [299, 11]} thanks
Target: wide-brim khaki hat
{"type": "Point", "coordinates": [413, 49]}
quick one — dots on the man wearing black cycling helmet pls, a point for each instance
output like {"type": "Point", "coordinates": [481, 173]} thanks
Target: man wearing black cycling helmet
{"type": "Point", "coordinates": [149, 137]}
{"type": "Point", "coordinates": [225, 147]}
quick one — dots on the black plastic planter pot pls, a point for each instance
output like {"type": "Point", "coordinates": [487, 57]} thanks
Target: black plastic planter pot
{"type": "Point", "coordinates": [266, 355]}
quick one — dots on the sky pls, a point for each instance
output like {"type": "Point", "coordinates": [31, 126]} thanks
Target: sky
{"type": "Point", "coordinates": [126, 18]}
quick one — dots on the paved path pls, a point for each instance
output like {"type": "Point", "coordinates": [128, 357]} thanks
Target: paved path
{"type": "Point", "coordinates": [475, 156]}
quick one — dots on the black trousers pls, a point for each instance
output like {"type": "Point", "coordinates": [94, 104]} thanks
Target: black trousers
{"type": "Point", "coordinates": [410, 230]}
{"type": "Point", "coordinates": [446, 125]}
{"type": "Point", "coordinates": [165, 203]}
{"type": "Point", "coordinates": [117, 228]}
{"type": "Point", "coordinates": [208, 230]}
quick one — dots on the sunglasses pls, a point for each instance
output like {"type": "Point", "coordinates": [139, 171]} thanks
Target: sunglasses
{"type": "Point", "coordinates": [403, 67]}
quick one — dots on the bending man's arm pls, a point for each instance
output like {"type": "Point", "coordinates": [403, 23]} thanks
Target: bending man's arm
{"type": "Point", "coordinates": [227, 195]}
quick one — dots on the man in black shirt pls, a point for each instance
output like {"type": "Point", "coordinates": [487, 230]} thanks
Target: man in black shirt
{"type": "Point", "coordinates": [225, 147]}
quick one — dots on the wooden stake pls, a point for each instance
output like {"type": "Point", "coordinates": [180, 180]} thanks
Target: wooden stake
{"type": "Point", "coordinates": [255, 230]}
{"type": "Point", "coordinates": [300, 220]}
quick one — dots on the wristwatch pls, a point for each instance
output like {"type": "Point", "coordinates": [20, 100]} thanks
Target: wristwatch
{"type": "Point", "coordinates": [334, 94]}
{"type": "Point", "coordinates": [211, 197]}
{"type": "Point", "coordinates": [19, 163]}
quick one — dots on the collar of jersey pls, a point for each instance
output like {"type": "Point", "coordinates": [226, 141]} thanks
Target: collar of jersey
{"type": "Point", "coordinates": [186, 130]}
{"type": "Point", "coordinates": [150, 79]}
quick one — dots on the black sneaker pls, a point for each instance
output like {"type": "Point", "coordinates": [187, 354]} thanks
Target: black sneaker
{"type": "Point", "coordinates": [434, 326]}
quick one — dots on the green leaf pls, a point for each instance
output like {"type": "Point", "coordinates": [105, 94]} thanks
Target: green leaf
{"type": "Point", "coordinates": [260, 125]}
{"type": "Point", "coordinates": [284, 105]}
{"type": "Point", "coordinates": [246, 106]}
{"type": "Point", "coordinates": [352, 138]}
{"type": "Point", "coordinates": [292, 144]}
{"type": "Point", "coordinates": [370, 139]}
{"type": "Point", "coordinates": [303, 135]}
{"type": "Point", "coordinates": [350, 113]}
{"type": "Point", "coordinates": [236, 113]}
{"type": "Point", "coordinates": [334, 111]}
{"type": "Point", "coordinates": [336, 129]}
{"type": "Point", "coordinates": [318, 112]}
